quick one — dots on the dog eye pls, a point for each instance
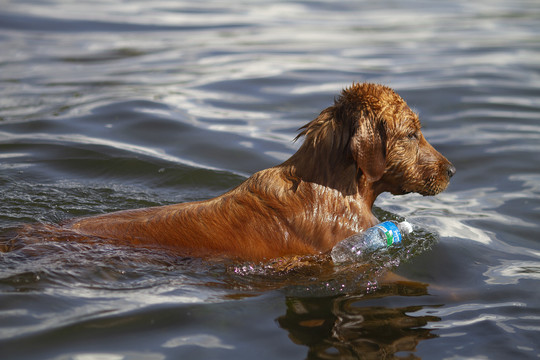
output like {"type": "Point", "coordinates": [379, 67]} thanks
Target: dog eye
{"type": "Point", "coordinates": [413, 136]}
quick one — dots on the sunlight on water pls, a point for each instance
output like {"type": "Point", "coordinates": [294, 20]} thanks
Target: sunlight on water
{"type": "Point", "coordinates": [111, 356]}
{"type": "Point", "coordinates": [467, 317]}
{"type": "Point", "coordinates": [107, 106]}
{"type": "Point", "coordinates": [202, 340]}
{"type": "Point", "coordinates": [85, 140]}
{"type": "Point", "coordinates": [511, 272]}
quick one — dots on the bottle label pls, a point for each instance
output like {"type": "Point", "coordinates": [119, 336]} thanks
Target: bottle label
{"type": "Point", "coordinates": [393, 235]}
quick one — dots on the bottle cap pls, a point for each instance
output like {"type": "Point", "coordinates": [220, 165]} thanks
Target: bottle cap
{"type": "Point", "coordinates": [405, 227]}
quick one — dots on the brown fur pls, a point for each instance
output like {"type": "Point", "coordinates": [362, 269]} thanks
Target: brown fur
{"type": "Point", "coordinates": [367, 143]}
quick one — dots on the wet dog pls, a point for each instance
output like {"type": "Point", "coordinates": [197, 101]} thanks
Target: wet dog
{"type": "Point", "coordinates": [368, 142]}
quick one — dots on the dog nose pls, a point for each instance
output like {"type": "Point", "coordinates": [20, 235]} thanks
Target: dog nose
{"type": "Point", "coordinates": [451, 170]}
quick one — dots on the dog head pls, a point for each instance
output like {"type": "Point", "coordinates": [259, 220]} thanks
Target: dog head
{"type": "Point", "coordinates": [372, 127]}
{"type": "Point", "coordinates": [387, 143]}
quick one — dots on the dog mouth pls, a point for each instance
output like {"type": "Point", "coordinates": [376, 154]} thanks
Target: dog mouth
{"type": "Point", "coordinates": [432, 191]}
{"type": "Point", "coordinates": [434, 186]}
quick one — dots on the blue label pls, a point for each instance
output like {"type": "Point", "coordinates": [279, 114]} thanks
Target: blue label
{"type": "Point", "coordinates": [393, 235]}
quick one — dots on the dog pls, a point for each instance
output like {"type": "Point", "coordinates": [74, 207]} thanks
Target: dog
{"type": "Point", "coordinates": [368, 142]}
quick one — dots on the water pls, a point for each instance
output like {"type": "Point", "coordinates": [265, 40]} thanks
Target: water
{"type": "Point", "coordinates": [115, 105]}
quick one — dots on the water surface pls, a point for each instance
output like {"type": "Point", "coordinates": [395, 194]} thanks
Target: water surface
{"type": "Point", "coordinates": [116, 105]}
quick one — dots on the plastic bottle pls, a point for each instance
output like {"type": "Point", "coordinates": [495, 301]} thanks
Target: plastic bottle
{"type": "Point", "coordinates": [380, 236]}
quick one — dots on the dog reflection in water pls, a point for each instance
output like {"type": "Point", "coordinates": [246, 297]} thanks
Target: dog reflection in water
{"type": "Point", "coordinates": [340, 327]}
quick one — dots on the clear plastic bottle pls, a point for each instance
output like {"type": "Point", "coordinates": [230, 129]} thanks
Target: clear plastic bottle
{"type": "Point", "coordinates": [380, 236]}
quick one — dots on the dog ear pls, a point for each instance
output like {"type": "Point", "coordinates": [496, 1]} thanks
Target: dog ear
{"type": "Point", "coordinates": [321, 131]}
{"type": "Point", "coordinates": [368, 147]}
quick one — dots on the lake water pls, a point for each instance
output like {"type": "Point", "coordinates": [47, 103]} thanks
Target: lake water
{"type": "Point", "coordinates": [109, 105]}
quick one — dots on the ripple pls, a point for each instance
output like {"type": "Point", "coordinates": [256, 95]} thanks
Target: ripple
{"type": "Point", "coordinates": [513, 271]}
{"type": "Point", "coordinates": [109, 105]}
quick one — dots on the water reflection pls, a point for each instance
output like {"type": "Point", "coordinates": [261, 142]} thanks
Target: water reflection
{"type": "Point", "coordinates": [354, 327]}
{"type": "Point", "coordinates": [126, 105]}
{"type": "Point", "coordinates": [512, 271]}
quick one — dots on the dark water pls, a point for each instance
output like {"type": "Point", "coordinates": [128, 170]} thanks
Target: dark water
{"type": "Point", "coordinates": [113, 105]}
